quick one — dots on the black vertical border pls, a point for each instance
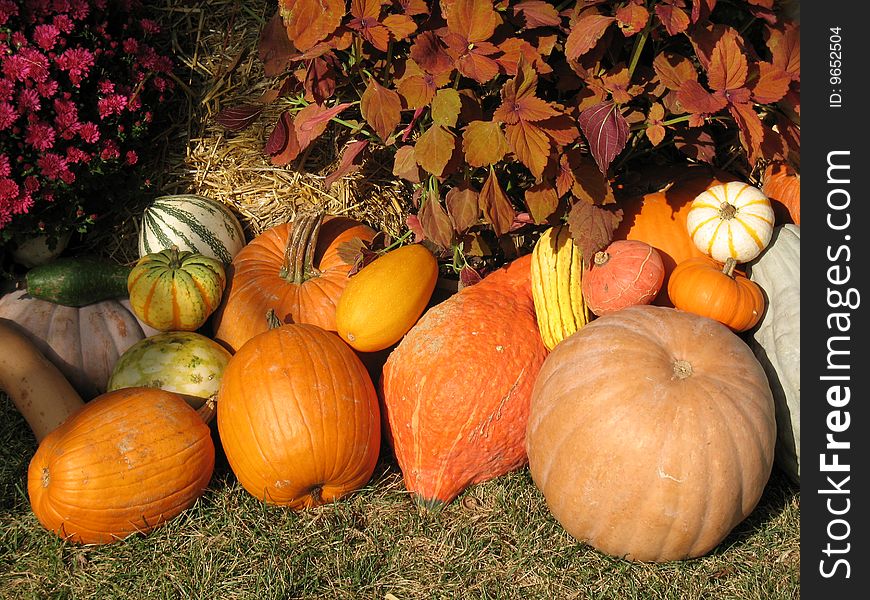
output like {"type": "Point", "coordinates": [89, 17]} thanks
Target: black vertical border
{"type": "Point", "coordinates": [838, 127]}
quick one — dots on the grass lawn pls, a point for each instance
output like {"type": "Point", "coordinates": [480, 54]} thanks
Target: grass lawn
{"type": "Point", "coordinates": [497, 540]}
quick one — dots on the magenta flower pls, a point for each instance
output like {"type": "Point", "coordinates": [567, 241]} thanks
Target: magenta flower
{"type": "Point", "coordinates": [40, 135]}
{"type": "Point", "coordinates": [8, 115]}
{"type": "Point", "coordinates": [89, 132]}
{"type": "Point", "coordinates": [52, 165]}
{"type": "Point", "coordinates": [5, 167]}
{"type": "Point", "coordinates": [45, 36]}
{"type": "Point", "coordinates": [78, 62]}
{"type": "Point", "coordinates": [111, 105]}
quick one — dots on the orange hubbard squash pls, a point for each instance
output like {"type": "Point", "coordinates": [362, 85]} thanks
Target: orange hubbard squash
{"type": "Point", "coordinates": [456, 389]}
{"type": "Point", "coordinates": [126, 462]}
{"type": "Point", "coordinates": [298, 417]}
{"type": "Point", "coordinates": [293, 269]}
{"type": "Point", "coordinates": [659, 218]}
{"type": "Point", "coordinates": [660, 465]}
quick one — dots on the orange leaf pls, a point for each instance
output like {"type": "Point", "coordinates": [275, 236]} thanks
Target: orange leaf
{"type": "Point", "coordinates": [673, 69]}
{"type": "Point", "coordinates": [515, 48]}
{"type": "Point", "coordinates": [772, 84]}
{"type": "Point", "coordinates": [483, 143]}
{"type": "Point", "coordinates": [274, 47]}
{"type": "Point", "coordinates": [445, 107]}
{"type": "Point", "coordinates": [435, 222]}
{"type": "Point", "coordinates": [475, 20]}
{"type": "Point", "coordinates": [695, 99]}
{"type": "Point", "coordinates": [351, 158]}
{"type": "Point", "coordinates": [673, 18]}
{"type": "Point", "coordinates": [310, 21]}
{"type": "Point", "coordinates": [362, 9]}
{"type": "Point", "coordinates": [405, 166]}
{"type": "Point", "coordinates": [538, 13]}
{"type": "Point", "coordinates": [282, 144]}
{"type": "Point", "coordinates": [401, 26]}
{"type": "Point", "coordinates": [463, 207]}
{"type": "Point", "coordinates": [530, 144]}
{"type": "Point", "coordinates": [632, 19]}
{"type": "Point", "coordinates": [311, 122]}
{"type": "Point", "coordinates": [381, 108]}
{"type": "Point", "coordinates": [434, 149]}
{"type": "Point", "coordinates": [751, 129]}
{"type": "Point", "coordinates": [541, 200]}
{"type": "Point", "coordinates": [496, 207]}
{"type": "Point", "coordinates": [562, 129]}
{"type": "Point", "coordinates": [429, 52]}
{"type": "Point", "coordinates": [592, 227]}
{"type": "Point", "coordinates": [585, 34]}
{"type": "Point", "coordinates": [477, 66]}
{"type": "Point", "coordinates": [785, 47]}
{"type": "Point", "coordinates": [728, 67]}
{"type": "Point", "coordinates": [589, 184]}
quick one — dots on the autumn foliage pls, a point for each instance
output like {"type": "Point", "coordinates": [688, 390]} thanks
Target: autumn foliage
{"type": "Point", "coordinates": [507, 114]}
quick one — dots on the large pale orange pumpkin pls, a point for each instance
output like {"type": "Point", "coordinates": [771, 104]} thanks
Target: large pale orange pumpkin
{"type": "Point", "coordinates": [127, 462]}
{"type": "Point", "coordinates": [659, 218]}
{"type": "Point", "coordinates": [298, 417]}
{"type": "Point", "coordinates": [651, 433]}
{"type": "Point", "coordinates": [293, 269]}
{"type": "Point", "coordinates": [456, 389]}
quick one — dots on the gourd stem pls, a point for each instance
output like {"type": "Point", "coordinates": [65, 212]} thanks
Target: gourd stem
{"type": "Point", "coordinates": [272, 320]}
{"type": "Point", "coordinates": [298, 264]}
{"type": "Point", "coordinates": [601, 257]}
{"type": "Point", "coordinates": [728, 269]}
{"type": "Point", "coordinates": [727, 211]}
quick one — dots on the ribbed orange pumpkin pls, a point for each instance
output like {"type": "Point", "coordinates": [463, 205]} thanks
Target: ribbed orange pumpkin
{"type": "Point", "coordinates": [705, 287]}
{"type": "Point", "coordinates": [626, 273]}
{"type": "Point", "coordinates": [651, 433]}
{"type": "Point", "coordinates": [293, 269]}
{"type": "Point", "coordinates": [782, 184]}
{"type": "Point", "coordinates": [659, 218]}
{"type": "Point", "coordinates": [298, 417]}
{"type": "Point", "coordinates": [128, 461]}
{"type": "Point", "coordinates": [456, 389]}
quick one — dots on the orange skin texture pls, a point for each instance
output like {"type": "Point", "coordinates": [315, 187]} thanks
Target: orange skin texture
{"type": "Point", "coordinates": [255, 284]}
{"type": "Point", "coordinates": [782, 184]}
{"type": "Point", "coordinates": [632, 273]}
{"type": "Point", "coordinates": [639, 456]}
{"type": "Point", "coordinates": [698, 285]}
{"type": "Point", "coordinates": [298, 417]}
{"type": "Point", "coordinates": [659, 218]}
{"type": "Point", "coordinates": [456, 389]}
{"type": "Point", "coordinates": [384, 299]}
{"type": "Point", "coordinates": [127, 462]}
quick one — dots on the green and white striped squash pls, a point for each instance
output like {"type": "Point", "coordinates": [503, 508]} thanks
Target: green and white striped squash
{"type": "Point", "coordinates": [192, 223]}
{"type": "Point", "coordinates": [184, 362]}
{"type": "Point", "coordinates": [776, 340]}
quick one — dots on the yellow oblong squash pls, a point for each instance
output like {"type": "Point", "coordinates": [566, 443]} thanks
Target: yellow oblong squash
{"type": "Point", "coordinates": [386, 297]}
{"type": "Point", "coordinates": [557, 266]}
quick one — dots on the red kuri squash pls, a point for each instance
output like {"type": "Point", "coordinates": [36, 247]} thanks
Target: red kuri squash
{"type": "Point", "coordinates": [626, 273]}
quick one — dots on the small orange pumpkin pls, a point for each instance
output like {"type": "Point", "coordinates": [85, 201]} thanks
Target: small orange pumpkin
{"type": "Point", "coordinates": [705, 287]}
{"type": "Point", "coordinates": [782, 184]}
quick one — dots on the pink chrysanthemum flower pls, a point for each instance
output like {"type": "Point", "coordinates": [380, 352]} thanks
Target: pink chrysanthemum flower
{"type": "Point", "coordinates": [111, 105]}
{"type": "Point", "coordinates": [40, 135]}
{"type": "Point", "coordinates": [8, 189]}
{"type": "Point", "coordinates": [47, 89]}
{"type": "Point", "coordinates": [7, 89]}
{"type": "Point", "coordinates": [77, 62]}
{"type": "Point", "coordinates": [52, 165]}
{"type": "Point", "coordinates": [89, 132]}
{"type": "Point", "coordinates": [131, 158]}
{"type": "Point", "coordinates": [110, 150]}
{"type": "Point", "coordinates": [5, 167]}
{"type": "Point", "coordinates": [29, 101]}
{"type": "Point", "coordinates": [45, 36]}
{"type": "Point", "coordinates": [8, 8]}
{"type": "Point", "coordinates": [8, 116]}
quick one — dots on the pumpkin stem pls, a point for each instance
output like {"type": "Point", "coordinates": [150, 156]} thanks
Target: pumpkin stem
{"type": "Point", "coordinates": [727, 210]}
{"type": "Point", "coordinates": [728, 269]}
{"type": "Point", "coordinates": [208, 410]}
{"type": "Point", "coordinates": [601, 257]}
{"type": "Point", "coordinates": [298, 264]}
{"type": "Point", "coordinates": [682, 369]}
{"type": "Point", "coordinates": [174, 258]}
{"type": "Point", "coordinates": [272, 320]}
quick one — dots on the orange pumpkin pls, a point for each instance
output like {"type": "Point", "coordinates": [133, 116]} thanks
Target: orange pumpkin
{"type": "Point", "coordinates": [707, 288]}
{"type": "Point", "coordinates": [298, 417]}
{"type": "Point", "coordinates": [127, 462]}
{"type": "Point", "coordinates": [293, 269]}
{"type": "Point", "coordinates": [456, 389]}
{"type": "Point", "coordinates": [659, 218]}
{"type": "Point", "coordinates": [782, 184]}
{"type": "Point", "coordinates": [651, 433]}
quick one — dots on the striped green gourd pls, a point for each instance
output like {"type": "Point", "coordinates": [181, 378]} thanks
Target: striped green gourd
{"type": "Point", "coordinates": [191, 223]}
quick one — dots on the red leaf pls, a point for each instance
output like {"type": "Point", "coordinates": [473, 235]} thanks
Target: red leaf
{"type": "Point", "coordinates": [484, 143]}
{"type": "Point", "coordinates": [274, 47]}
{"type": "Point", "coordinates": [696, 99]}
{"type": "Point", "coordinates": [542, 200]}
{"type": "Point", "coordinates": [585, 34]}
{"type": "Point", "coordinates": [463, 207]}
{"type": "Point", "coordinates": [606, 132]}
{"type": "Point", "coordinates": [632, 18]}
{"type": "Point", "coordinates": [530, 144]}
{"type": "Point", "coordinates": [351, 159]}
{"type": "Point", "coordinates": [592, 227]}
{"type": "Point", "coordinates": [381, 108]}
{"type": "Point", "coordinates": [237, 118]}
{"type": "Point", "coordinates": [435, 222]}
{"type": "Point", "coordinates": [310, 21]}
{"type": "Point", "coordinates": [320, 79]}
{"type": "Point", "coordinates": [413, 224]}
{"type": "Point", "coordinates": [282, 144]}
{"type": "Point", "coordinates": [673, 18]}
{"type": "Point", "coordinates": [728, 67]}
{"type": "Point", "coordinates": [496, 207]}
{"type": "Point", "coordinates": [475, 20]}
{"type": "Point", "coordinates": [538, 13]}
{"type": "Point", "coordinates": [434, 149]}
{"type": "Point", "coordinates": [429, 52]}
{"type": "Point", "coordinates": [405, 166]}
{"type": "Point", "coordinates": [673, 69]}
{"type": "Point", "coordinates": [311, 122]}
{"type": "Point", "coordinates": [785, 47]}
{"type": "Point", "coordinates": [468, 276]}
{"type": "Point", "coordinates": [772, 84]}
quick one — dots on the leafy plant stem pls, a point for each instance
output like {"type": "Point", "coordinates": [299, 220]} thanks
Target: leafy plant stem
{"type": "Point", "coordinates": [639, 43]}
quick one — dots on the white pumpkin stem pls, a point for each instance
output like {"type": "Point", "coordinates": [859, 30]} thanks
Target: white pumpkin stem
{"type": "Point", "coordinates": [727, 211]}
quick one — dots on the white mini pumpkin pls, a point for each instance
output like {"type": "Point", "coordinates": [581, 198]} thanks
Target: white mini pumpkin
{"type": "Point", "coordinates": [731, 220]}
